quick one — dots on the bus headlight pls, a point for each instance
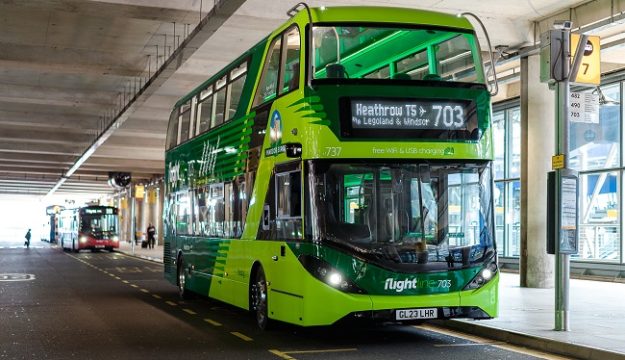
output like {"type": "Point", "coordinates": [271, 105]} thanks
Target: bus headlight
{"type": "Point", "coordinates": [324, 272]}
{"type": "Point", "coordinates": [483, 276]}
{"type": "Point", "coordinates": [115, 238]}
{"type": "Point", "coordinates": [83, 239]}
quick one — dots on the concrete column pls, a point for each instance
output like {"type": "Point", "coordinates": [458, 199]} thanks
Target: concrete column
{"type": "Point", "coordinates": [538, 132]}
{"type": "Point", "coordinates": [153, 214]}
{"type": "Point", "coordinates": [144, 215]}
{"type": "Point", "coordinates": [160, 199]}
{"type": "Point", "coordinates": [124, 217]}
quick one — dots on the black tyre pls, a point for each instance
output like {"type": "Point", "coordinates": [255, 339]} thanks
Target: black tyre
{"type": "Point", "coordinates": [259, 300]}
{"type": "Point", "coordinates": [182, 280]}
{"type": "Point", "coordinates": [74, 248]}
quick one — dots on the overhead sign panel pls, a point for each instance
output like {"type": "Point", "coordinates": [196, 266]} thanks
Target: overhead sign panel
{"type": "Point", "coordinates": [590, 68]}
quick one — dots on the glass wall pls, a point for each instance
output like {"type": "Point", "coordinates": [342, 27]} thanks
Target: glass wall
{"type": "Point", "coordinates": [595, 148]}
{"type": "Point", "coordinates": [596, 152]}
{"type": "Point", "coordinates": [507, 170]}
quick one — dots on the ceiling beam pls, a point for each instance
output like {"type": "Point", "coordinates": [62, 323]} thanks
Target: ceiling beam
{"type": "Point", "coordinates": [221, 11]}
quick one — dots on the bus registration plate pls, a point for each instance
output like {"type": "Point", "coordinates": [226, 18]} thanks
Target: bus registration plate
{"type": "Point", "coordinates": [416, 314]}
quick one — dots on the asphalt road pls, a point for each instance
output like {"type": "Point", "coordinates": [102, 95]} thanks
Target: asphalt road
{"type": "Point", "coordinates": [57, 305]}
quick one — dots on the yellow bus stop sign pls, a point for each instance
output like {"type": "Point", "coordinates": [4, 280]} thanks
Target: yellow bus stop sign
{"type": "Point", "coordinates": [590, 67]}
{"type": "Point", "coordinates": [557, 162]}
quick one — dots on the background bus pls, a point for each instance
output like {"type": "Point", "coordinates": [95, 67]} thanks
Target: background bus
{"type": "Point", "coordinates": [50, 227]}
{"type": "Point", "coordinates": [339, 169]}
{"type": "Point", "coordinates": [89, 227]}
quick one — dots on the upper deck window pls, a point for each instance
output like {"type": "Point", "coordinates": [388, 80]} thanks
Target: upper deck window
{"type": "Point", "coordinates": [281, 72]}
{"type": "Point", "coordinates": [395, 53]}
{"type": "Point", "coordinates": [172, 130]}
{"type": "Point", "coordinates": [269, 81]}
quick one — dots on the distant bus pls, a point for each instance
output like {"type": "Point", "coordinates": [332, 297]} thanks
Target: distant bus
{"type": "Point", "coordinates": [50, 227]}
{"type": "Point", "coordinates": [90, 227]}
{"type": "Point", "coordinates": [339, 169]}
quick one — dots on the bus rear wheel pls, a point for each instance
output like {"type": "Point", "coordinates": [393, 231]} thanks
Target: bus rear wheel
{"type": "Point", "coordinates": [259, 300]}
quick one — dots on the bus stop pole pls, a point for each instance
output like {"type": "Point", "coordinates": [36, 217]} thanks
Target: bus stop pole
{"type": "Point", "coordinates": [563, 90]}
{"type": "Point", "coordinates": [562, 266]}
{"type": "Point", "coordinates": [133, 232]}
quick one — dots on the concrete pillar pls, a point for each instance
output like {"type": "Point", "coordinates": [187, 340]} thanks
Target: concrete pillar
{"type": "Point", "coordinates": [537, 146]}
{"type": "Point", "coordinates": [153, 213]}
{"type": "Point", "coordinates": [132, 215]}
{"type": "Point", "coordinates": [124, 215]}
{"type": "Point", "coordinates": [143, 215]}
{"type": "Point", "coordinates": [160, 199]}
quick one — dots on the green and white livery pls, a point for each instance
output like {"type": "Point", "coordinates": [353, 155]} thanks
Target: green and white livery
{"type": "Point", "coordinates": [340, 169]}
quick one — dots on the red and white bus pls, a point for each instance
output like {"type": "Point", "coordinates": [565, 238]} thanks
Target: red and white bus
{"type": "Point", "coordinates": [89, 227]}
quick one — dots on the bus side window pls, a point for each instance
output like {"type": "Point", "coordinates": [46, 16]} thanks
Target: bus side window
{"type": "Point", "coordinates": [216, 210]}
{"type": "Point", "coordinates": [235, 89]}
{"type": "Point", "coordinates": [289, 205]}
{"type": "Point", "coordinates": [267, 88]}
{"type": "Point", "coordinates": [204, 110]}
{"type": "Point", "coordinates": [290, 59]}
{"type": "Point", "coordinates": [172, 129]}
{"type": "Point", "coordinates": [242, 205]}
{"type": "Point", "coordinates": [200, 211]}
{"type": "Point", "coordinates": [183, 214]}
{"type": "Point", "coordinates": [219, 103]}
{"type": "Point", "coordinates": [228, 210]}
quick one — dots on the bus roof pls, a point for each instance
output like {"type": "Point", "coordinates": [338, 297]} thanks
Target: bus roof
{"type": "Point", "coordinates": [390, 15]}
{"type": "Point", "coordinates": [347, 14]}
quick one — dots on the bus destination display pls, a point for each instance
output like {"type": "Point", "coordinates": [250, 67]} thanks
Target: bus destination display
{"type": "Point", "coordinates": [409, 114]}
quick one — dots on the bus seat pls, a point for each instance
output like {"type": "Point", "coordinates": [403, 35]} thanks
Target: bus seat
{"type": "Point", "coordinates": [401, 76]}
{"type": "Point", "coordinates": [294, 82]}
{"type": "Point", "coordinates": [434, 77]}
{"type": "Point", "coordinates": [336, 71]}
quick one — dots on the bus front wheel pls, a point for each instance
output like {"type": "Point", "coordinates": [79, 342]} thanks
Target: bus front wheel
{"type": "Point", "coordinates": [182, 280]}
{"type": "Point", "coordinates": [259, 300]}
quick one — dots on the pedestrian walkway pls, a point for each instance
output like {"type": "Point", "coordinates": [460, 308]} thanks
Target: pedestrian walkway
{"type": "Point", "coordinates": [526, 316]}
{"type": "Point", "coordinates": [155, 254]}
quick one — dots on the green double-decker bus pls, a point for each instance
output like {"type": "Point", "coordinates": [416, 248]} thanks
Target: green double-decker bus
{"type": "Point", "coordinates": [339, 169]}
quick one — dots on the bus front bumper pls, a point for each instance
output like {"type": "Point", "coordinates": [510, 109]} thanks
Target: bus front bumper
{"type": "Point", "coordinates": [338, 306]}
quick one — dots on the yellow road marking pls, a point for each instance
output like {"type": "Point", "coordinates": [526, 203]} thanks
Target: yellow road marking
{"type": "Point", "coordinates": [125, 281]}
{"type": "Point", "coordinates": [531, 352]}
{"type": "Point", "coordinates": [171, 303]}
{"type": "Point", "coordinates": [319, 351]}
{"type": "Point", "coordinates": [241, 336]}
{"type": "Point", "coordinates": [484, 341]}
{"type": "Point", "coordinates": [134, 286]}
{"type": "Point", "coordinates": [145, 291]}
{"type": "Point", "coordinates": [117, 277]}
{"type": "Point", "coordinates": [212, 322]}
{"type": "Point", "coordinates": [156, 296]}
{"type": "Point", "coordinates": [189, 311]}
{"type": "Point", "coordinates": [281, 354]}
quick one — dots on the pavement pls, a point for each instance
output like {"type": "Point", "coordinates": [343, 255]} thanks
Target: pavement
{"type": "Point", "coordinates": [527, 316]}
{"type": "Point", "coordinates": [155, 254]}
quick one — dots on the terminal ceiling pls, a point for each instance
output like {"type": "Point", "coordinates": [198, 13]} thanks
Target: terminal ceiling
{"type": "Point", "coordinates": [67, 65]}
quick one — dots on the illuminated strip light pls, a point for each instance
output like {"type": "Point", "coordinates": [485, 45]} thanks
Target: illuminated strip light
{"type": "Point", "coordinates": [216, 17]}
